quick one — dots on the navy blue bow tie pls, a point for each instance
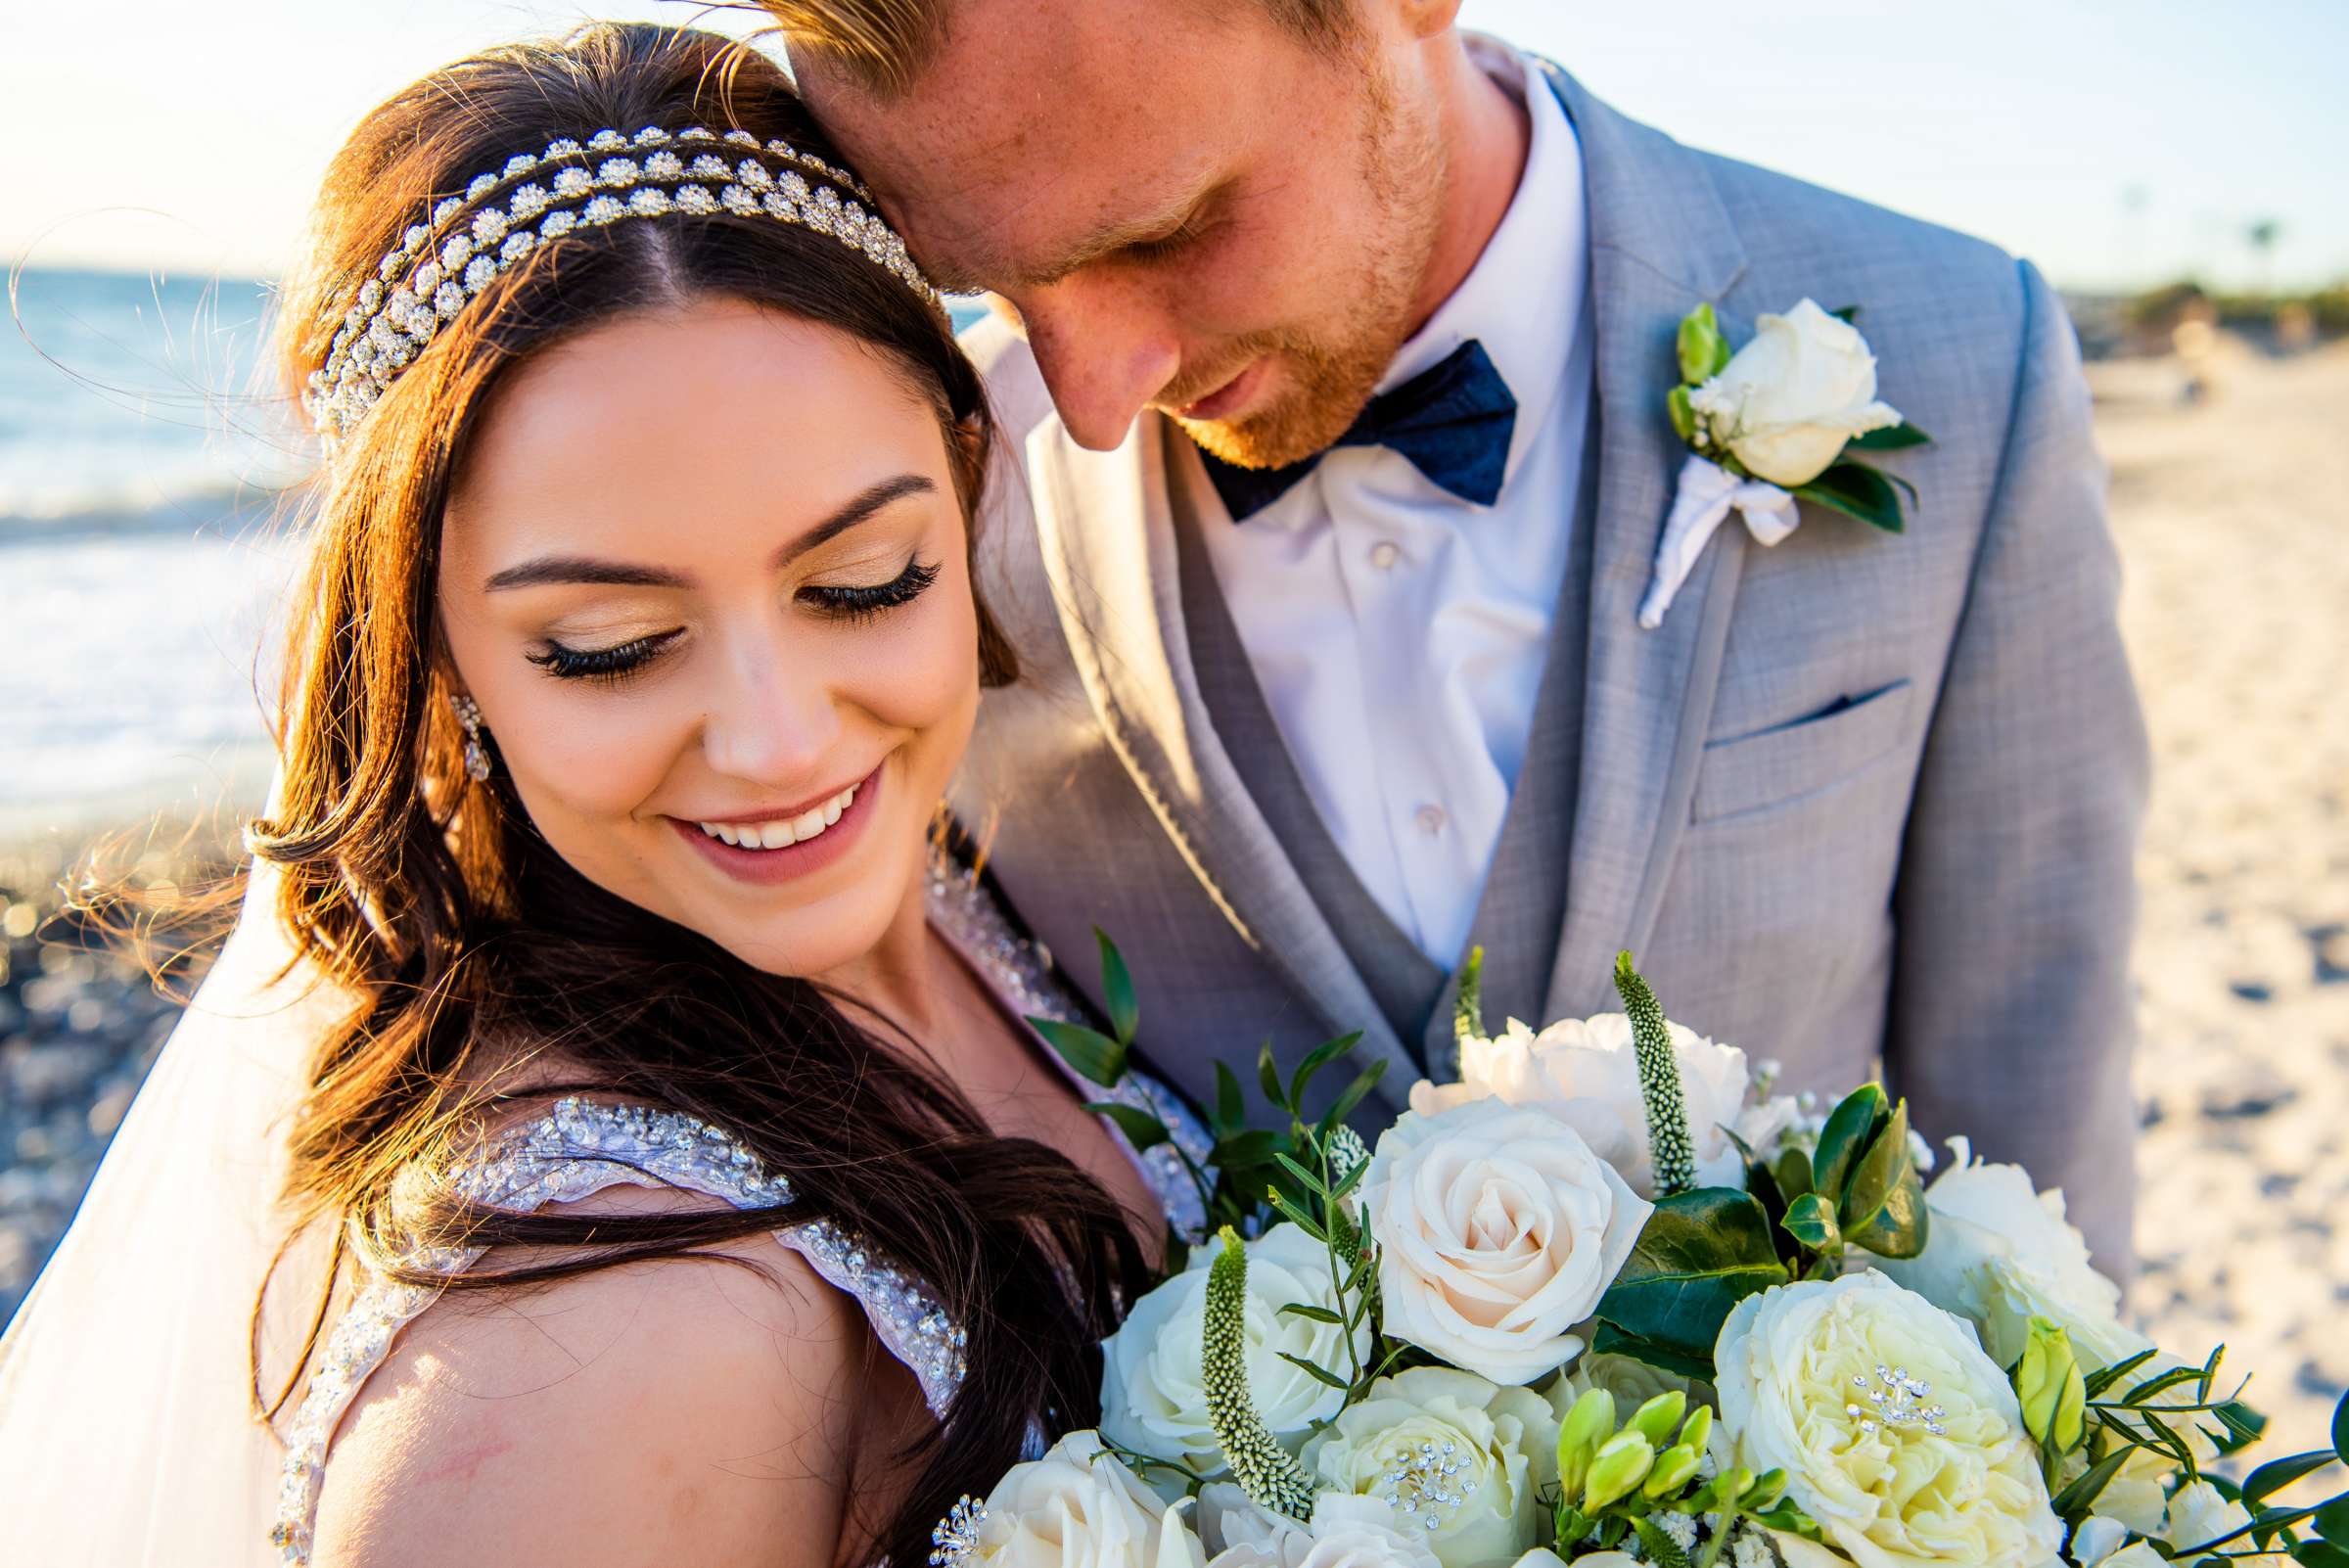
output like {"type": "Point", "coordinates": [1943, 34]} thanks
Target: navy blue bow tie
{"type": "Point", "coordinates": [1453, 421]}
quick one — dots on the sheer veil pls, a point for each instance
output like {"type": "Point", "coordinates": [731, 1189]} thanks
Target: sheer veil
{"type": "Point", "coordinates": [126, 1427]}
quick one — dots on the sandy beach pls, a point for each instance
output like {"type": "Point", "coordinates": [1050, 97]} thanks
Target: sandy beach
{"type": "Point", "coordinates": [2233, 515]}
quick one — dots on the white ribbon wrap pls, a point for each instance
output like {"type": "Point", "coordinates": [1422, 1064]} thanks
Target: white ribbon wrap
{"type": "Point", "coordinates": [1708, 493]}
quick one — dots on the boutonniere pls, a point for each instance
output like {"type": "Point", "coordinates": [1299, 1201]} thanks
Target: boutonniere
{"type": "Point", "coordinates": [1769, 425]}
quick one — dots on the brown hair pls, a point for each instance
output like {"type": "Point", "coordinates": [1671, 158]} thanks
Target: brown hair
{"type": "Point", "coordinates": [884, 45]}
{"type": "Point", "coordinates": [472, 946]}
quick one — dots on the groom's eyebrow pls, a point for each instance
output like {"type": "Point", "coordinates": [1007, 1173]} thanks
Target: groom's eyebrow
{"type": "Point", "coordinates": [862, 507]}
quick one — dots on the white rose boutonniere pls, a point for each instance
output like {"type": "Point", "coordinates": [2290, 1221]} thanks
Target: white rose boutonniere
{"type": "Point", "coordinates": [1498, 1230]}
{"type": "Point", "coordinates": [1768, 427]}
{"type": "Point", "coordinates": [1153, 1383]}
{"type": "Point", "coordinates": [1937, 1470]}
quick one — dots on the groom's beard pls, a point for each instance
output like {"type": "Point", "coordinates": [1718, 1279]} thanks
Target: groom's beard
{"type": "Point", "coordinates": [1329, 370]}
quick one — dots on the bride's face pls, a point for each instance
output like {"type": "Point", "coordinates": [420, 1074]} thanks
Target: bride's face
{"type": "Point", "coordinates": [704, 572]}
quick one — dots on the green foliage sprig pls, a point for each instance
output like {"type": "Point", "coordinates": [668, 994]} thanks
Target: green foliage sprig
{"type": "Point", "coordinates": [1613, 1481]}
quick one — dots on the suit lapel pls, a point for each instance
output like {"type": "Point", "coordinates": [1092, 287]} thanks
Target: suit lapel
{"type": "Point", "coordinates": [1661, 242]}
{"type": "Point", "coordinates": [1104, 521]}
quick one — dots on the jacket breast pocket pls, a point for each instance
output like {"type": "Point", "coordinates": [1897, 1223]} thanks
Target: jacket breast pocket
{"type": "Point", "coordinates": [1804, 757]}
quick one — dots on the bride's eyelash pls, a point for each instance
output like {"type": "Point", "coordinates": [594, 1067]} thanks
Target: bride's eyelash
{"type": "Point", "coordinates": [608, 665]}
{"type": "Point", "coordinates": [864, 603]}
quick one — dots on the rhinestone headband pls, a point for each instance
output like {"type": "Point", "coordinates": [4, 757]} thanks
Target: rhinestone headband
{"type": "Point", "coordinates": [470, 240]}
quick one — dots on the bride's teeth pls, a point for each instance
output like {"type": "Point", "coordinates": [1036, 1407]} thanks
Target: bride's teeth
{"type": "Point", "coordinates": [808, 825]}
{"type": "Point", "coordinates": [777, 836]}
{"type": "Point", "coordinates": [832, 810]}
{"type": "Point", "coordinates": [781, 835]}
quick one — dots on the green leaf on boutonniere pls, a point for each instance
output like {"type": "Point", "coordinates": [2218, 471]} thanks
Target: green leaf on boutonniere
{"type": "Point", "coordinates": [1701, 1253]}
{"type": "Point", "coordinates": [1677, 404]}
{"type": "Point", "coordinates": [1849, 315]}
{"type": "Point", "coordinates": [1891, 439]}
{"type": "Point", "coordinates": [1859, 492]}
{"type": "Point", "coordinates": [1090, 1051]}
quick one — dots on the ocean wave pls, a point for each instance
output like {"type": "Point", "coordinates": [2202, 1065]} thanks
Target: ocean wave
{"type": "Point", "coordinates": [216, 509]}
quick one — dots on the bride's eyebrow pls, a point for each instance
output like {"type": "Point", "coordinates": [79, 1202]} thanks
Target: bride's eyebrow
{"type": "Point", "coordinates": [545, 570]}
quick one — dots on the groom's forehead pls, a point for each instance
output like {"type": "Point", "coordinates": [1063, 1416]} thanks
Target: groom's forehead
{"type": "Point", "coordinates": [1020, 149]}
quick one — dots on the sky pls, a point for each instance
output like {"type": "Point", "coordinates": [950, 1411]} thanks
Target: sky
{"type": "Point", "coordinates": [2119, 145]}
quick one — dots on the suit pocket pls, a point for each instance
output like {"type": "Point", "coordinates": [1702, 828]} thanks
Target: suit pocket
{"type": "Point", "coordinates": [1788, 761]}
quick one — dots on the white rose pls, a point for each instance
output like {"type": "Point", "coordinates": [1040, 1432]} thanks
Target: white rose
{"type": "Point", "coordinates": [1583, 1072]}
{"type": "Point", "coordinates": [1079, 1508]}
{"type": "Point", "coordinates": [1498, 1230]}
{"type": "Point", "coordinates": [1345, 1532]}
{"type": "Point", "coordinates": [1956, 1481]}
{"type": "Point", "coordinates": [1493, 1449]}
{"type": "Point", "coordinates": [1788, 401]}
{"type": "Point", "coordinates": [2137, 1554]}
{"type": "Point", "coordinates": [1998, 1252]}
{"type": "Point", "coordinates": [2097, 1538]}
{"type": "Point", "coordinates": [1153, 1393]}
{"type": "Point", "coordinates": [2200, 1514]}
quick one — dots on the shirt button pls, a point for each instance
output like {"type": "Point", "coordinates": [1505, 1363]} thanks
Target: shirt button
{"type": "Point", "coordinates": [1430, 818]}
{"type": "Point", "coordinates": [1384, 556]}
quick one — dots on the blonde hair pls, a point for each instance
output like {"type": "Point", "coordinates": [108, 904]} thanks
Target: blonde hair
{"type": "Point", "coordinates": [885, 45]}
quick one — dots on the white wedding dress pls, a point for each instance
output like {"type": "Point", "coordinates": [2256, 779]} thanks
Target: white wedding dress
{"type": "Point", "coordinates": [126, 1428]}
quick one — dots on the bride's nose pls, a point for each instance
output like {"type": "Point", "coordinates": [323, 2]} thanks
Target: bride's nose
{"type": "Point", "coordinates": [771, 723]}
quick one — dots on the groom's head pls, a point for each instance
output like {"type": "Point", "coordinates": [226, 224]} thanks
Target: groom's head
{"type": "Point", "coordinates": [1225, 209]}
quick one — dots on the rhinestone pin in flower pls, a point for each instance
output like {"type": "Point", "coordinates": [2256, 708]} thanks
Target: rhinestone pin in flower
{"type": "Point", "coordinates": [956, 1537]}
{"type": "Point", "coordinates": [1425, 1485]}
{"type": "Point", "coordinates": [1894, 1402]}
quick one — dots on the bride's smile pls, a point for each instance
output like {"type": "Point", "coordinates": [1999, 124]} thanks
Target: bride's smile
{"type": "Point", "coordinates": [703, 573]}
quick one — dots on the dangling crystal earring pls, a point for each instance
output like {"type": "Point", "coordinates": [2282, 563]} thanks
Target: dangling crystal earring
{"type": "Point", "coordinates": [477, 756]}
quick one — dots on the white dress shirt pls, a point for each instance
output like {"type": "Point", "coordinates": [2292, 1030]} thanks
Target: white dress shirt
{"type": "Point", "coordinates": [1398, 631]}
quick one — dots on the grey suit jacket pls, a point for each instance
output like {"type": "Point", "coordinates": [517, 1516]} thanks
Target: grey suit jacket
{"type": "Point", "coordinates": [1860, 799]}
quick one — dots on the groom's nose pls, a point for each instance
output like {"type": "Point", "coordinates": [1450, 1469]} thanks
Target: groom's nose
{"type": "Point", "coordinates": [1104, 351]}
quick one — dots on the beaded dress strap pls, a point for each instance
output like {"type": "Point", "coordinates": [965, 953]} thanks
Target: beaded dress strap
{"type": "Point", "coordinates": [580, 1148]}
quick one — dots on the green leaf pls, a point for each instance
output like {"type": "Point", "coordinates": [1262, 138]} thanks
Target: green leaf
{"type": "Point", "coordinates": [1249, 1147]}
{"type": "Point", "coordinates": [2277, 1474]}
{"type": "Point", "coordinates": [2075, 1500]}
{"type": "Point", "coordinates": [1857, 491]}
{"type": "Point", "coordinates": [1891, 439]}
{"type": "Point", "coordinates": [1321, 1056]}
{"type": "Point", "coordinates": [2332, 1521]}
{"type": "Point", "coordinates": [2340, 1430]}
{"type": "Point", "coordinates": [1321, 1374]}
{"type": "Point", "coordinates": [1305, 1179]}
{"type": "Point", "coordinates": [1352, 1097]}
{"type": "Point", "coordinates": [1811, 1221]}
{"type": "Point", "coordinates": [2320, 1554]}
{"type": "Point", "coordinates": [1298, 1217]}
{"type": "Point", "coordinates": [2245, 1425]}
{"type": "Point", "coordinates": [1142, 1129]}
{"type": "Point", "coordinates": [1792, 1173]}
{"type": "Point", "coordinates": [1093, 1053]}
{"type": "Point", "coordinates": [1659, 1548]}
{"type": "Point", "coordinates": [2156, 1385]}
{"type": "Point", "coordinates": [2098, 1381]}
{"type": "Point", "coordinates": [1883, 1207]}
{"type": "Point", "coordinates": [1117, 988]}
{"type": "Point", "coordinates": [1267, 1076]}
{"type": "Point", "coordinates": [1847, 314]}
{"type": "Point", "coordinates": [1851, 1127]}
{"type": "Point", "coordinates": [1318, 1314]}
{"type": "Point", "coordinates": [1700, 1253]}
{"type": "Point", "coordinates": [1612, 1341]}
{"type": "Point", "coordinates": [1231, 1107]}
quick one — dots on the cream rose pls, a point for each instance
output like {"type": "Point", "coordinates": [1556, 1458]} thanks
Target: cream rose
{"type": "Point", "coordinates": [1788, 401]}
{"type": "Point", "coordinates": [1503, 1440]}
{"type": "Point", "coordinates": [1079, 1508]}
{"type": "Point", "coordinates": [2198, 1515]}
{"type": "Point", "coordinates": [1998, 1252]}
{"type": "Point", "coordinates": [1583, 1072]}
{"type": "Point", "coordinates": [1152, 1392]}
{"type": "Point", "coordinates": [1345, 1532]}
{"type": "Point", "coordinates": [1498, 1230]}
{"type": "Point", "coordinates": [1953, 1479]}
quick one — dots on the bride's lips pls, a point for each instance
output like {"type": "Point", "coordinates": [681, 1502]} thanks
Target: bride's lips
{"type": "Point", "coordinates": [1230, 398]}
{"type": "Point", "coordinates": [766, 867]}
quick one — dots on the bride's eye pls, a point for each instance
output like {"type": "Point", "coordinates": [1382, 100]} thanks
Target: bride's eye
{"type": "Point", "coordinates": [610, 664]}
{"type": "Point", "coordinates": [850, 602]}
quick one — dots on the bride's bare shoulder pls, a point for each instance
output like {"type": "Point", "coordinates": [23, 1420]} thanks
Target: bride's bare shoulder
{"type": "Point", "coordinates": [684, 1410]}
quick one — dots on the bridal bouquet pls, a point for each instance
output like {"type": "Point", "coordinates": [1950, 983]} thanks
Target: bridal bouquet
{"type": "Point", "coordinates": [1608, 1300]}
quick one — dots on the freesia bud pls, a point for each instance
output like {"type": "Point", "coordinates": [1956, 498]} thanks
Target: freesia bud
{"type": "Point", "coordinates": [1621, 1464]}
{"type": "Point", "coordinates": [1703, 349]}
{"type": "Point", "coordinates": [2054, 1395]}
{"type": "Point", "coordinates": [1589, 1423]}
{"type": "Point", "coordinates": [1673, 1466]}
{"type": "Point", "coordinates": [1682, 412]}
{"type": "Point", "coordinates": [1765, 1490]}
{"type": "Point", "coordinates": [1656, 1419]}
{"type": "Point", "coordinates": [1698, 1431]}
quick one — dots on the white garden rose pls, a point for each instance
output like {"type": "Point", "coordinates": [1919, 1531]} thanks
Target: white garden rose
{"type": "Point", "coordinates": [1953, 1479]}
{"type": "Point", "coordinates": [1583, 1072]}
{"type": "Point", "coordinates": [1788, 401]}
{"type": "Point", "coordinates": [1997, 1253]}
{"type": "Point", "coordinates": [1152, 1392]}
{"type": "Point", "coordinates": [1498, 1230]}
{"type": "Point", "coordinates": [1079, 1508]}
{"type": "Point", "coordinates": [1345, 1532]}
{"type": "Point", "coordinates": [2200, 1514]}
{"type": "Point", "coordinates": [1503, 1440]}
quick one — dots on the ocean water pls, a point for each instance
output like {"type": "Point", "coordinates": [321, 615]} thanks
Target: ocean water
{"type": "Point", "coordinates": [143, 461]}
{"type": "Point", "coordinates": [147, 544]}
